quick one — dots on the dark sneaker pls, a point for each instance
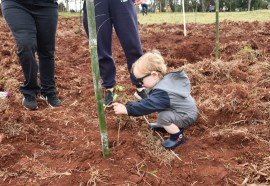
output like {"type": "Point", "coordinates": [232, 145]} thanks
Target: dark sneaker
{"type": "Point", "coordinates": [29, 102]}
{"type": "Point", "coordinates": [174, 140]}
{"type": "Point", "coordinates": [157, 127]}
{"type": "Point", "coordinates": [51, 99]}
{"type": "Point", "coordinates": [108, 98]}
{"type": "Point", "coordinates": [140, 94]}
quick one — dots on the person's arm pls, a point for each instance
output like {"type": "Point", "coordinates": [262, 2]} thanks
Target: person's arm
{"type": "Point", "coordinates": [158, 101]}
{"type": "Point", "coordinates": [138, 2]}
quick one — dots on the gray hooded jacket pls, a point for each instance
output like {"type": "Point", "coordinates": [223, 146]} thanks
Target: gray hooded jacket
{"type": "Point", "coordinates": [172, 93]}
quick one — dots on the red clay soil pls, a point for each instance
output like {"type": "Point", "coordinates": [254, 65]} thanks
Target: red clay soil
{"type": "Point", "coordinates": [228, 145]}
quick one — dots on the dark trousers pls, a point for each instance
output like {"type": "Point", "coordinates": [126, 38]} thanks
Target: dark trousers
{"type": "Point", "coordinates": [34, 30]}
{"type": "Point", "coordinates": [144, 8]}
{"type": "Point", "coordinates": [122, 16]}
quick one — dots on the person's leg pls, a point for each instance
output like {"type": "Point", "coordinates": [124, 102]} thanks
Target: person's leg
{"type": "Point", "coordinates": [171, 129]}
{"type": "Point", "coordinates": [104, 41]}
{"type": "Point", "coordinates": [46, 18]}
{"type": "Point", "coordinates": [85, 20]}
{"type": "Point", "coordinates": [172, 123]}
{"type": "Point", "coordinates": [125, 22]}
{"type": "Point", "coordinates": [46, 23]}
{"type": "Point", "coordinates": [142, 9]}
{"type": "Point", "coordinates": [23, 28]}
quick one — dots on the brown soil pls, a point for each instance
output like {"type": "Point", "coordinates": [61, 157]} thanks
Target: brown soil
{"type": "Point", "coordinates": [228, 145]}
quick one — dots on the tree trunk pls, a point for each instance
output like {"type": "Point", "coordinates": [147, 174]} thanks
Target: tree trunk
{"type": "Point", "coordinates": [249, 3]}
{"type": "Point", "coordinates": [96, 75]}
{"type": "Point", "coordinates": [67, 5]}
{"type": "Point", "coordinates": [203, 7]}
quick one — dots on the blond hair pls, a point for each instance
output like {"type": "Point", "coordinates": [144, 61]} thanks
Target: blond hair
{"type": "Point", "coordinates": [151, 61]}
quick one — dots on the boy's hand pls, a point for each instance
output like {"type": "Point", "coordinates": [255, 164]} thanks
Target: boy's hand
{"type": "Point", "coordinates": [119, 108]}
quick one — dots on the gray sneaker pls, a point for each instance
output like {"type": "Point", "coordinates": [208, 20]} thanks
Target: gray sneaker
{"type": "Point", "coordinates": [51, 99]}
{"type": "Point", "coordinates": [29, 102]}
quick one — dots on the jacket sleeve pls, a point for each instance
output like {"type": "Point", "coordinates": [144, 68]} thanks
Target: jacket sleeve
{"type": "Point", "coordinates": [157, 101]}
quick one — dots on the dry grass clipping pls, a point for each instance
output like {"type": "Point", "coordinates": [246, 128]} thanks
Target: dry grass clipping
{"type": "Point", "coordinates": [10, 129]}
{"type": "Point", "coordinates": [7, 174]}
{"type": "Point", "coordinates": [153, 145]}
{"type": "Point", "coordinates": [3, 104]}
{"type": "Point", "coordinates": [34, 167]}
{"type": "Point", "coordinates": [255, 174]}
{"type": "Point", "coordinates": [96, 176]}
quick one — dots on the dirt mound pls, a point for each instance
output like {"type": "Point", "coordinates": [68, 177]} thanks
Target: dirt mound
{"type": "Point", "coordinates": [228, 145]}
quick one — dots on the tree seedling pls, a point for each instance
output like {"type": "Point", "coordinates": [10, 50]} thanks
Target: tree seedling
{"type": "Point", "coordinates": [117, 88]}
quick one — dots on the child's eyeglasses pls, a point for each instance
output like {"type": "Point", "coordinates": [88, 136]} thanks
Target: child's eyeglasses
{"type": "Point", "coordinates": [140, 80]}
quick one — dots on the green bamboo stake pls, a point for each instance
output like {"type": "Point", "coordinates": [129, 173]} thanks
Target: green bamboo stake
{"type": "Point", "coordinates": [217, 29]}
{"type": "Point", "coordinates": [96, 75]}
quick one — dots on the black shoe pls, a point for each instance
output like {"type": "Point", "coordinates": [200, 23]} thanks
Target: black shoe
{"type": "Point", "coordinates": [157, 127]}
{"type": "Point", "coordinates": [108, 98]}
{"type": "Point", "coordinates": [174, 140]}
{"type": "Point", "coordinates": [29, 102]}
{"type": "Point", "coordinates": [51, 99]}
{"type": "Point", "coordinates": [140, 94]}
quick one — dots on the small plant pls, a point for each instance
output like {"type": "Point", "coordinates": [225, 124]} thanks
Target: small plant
{"type": "Point", "coordinates": [117, 88]}
{"type": "Point", "coordinates": [250, 52]}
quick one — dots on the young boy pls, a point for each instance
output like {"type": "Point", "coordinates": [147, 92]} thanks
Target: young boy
{"type": "Point", "coordinates": [169, 96]}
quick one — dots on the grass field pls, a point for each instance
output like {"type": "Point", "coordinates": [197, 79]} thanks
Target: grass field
{"type": "Point", "coordinates": [205, 17]}
{"type": "Point", "coordinates": [192, 17]}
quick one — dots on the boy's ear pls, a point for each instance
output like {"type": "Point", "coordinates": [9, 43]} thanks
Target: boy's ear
{"type": "Point", "coordinates": [154, 73]}
{"type": "Point", "coordinates": [132, 69]}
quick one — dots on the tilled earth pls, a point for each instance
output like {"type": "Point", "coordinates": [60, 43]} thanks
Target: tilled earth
{"type": "Point", "coordinates": [228, 145]}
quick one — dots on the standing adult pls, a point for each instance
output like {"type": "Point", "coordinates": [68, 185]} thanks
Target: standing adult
{"type": "Point", "coordinates": [144, 7]}
{"type": "Point", "coordinates": [0, 10]}
{"type": "Point", "coordinates": [33, 25]}
{"type": "Point", "coordinates": [120, 15]}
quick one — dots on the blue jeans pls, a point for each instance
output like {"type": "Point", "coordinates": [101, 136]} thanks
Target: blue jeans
{"type": "Point", "coordinates": [34, 30]}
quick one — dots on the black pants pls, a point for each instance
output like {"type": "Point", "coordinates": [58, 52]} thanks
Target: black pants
{"type": "Point", "coordinates": [120, 15]}
{"type": "Point", "coordinates": [144, 8]}
{"type": "Point", "coordinates": [34, 29]}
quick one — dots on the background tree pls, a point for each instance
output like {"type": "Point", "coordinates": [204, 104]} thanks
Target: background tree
{"type": "Point", "coordinates": [62, 7]}
{"type": "Point", "coordinates": [249, 2]}
{"type": "Point", "coordinates": [67, 5]}
{"type": "Point", "coordinates": [172, 5]}
{"type": "Point", "coordinates": [203, 7]}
